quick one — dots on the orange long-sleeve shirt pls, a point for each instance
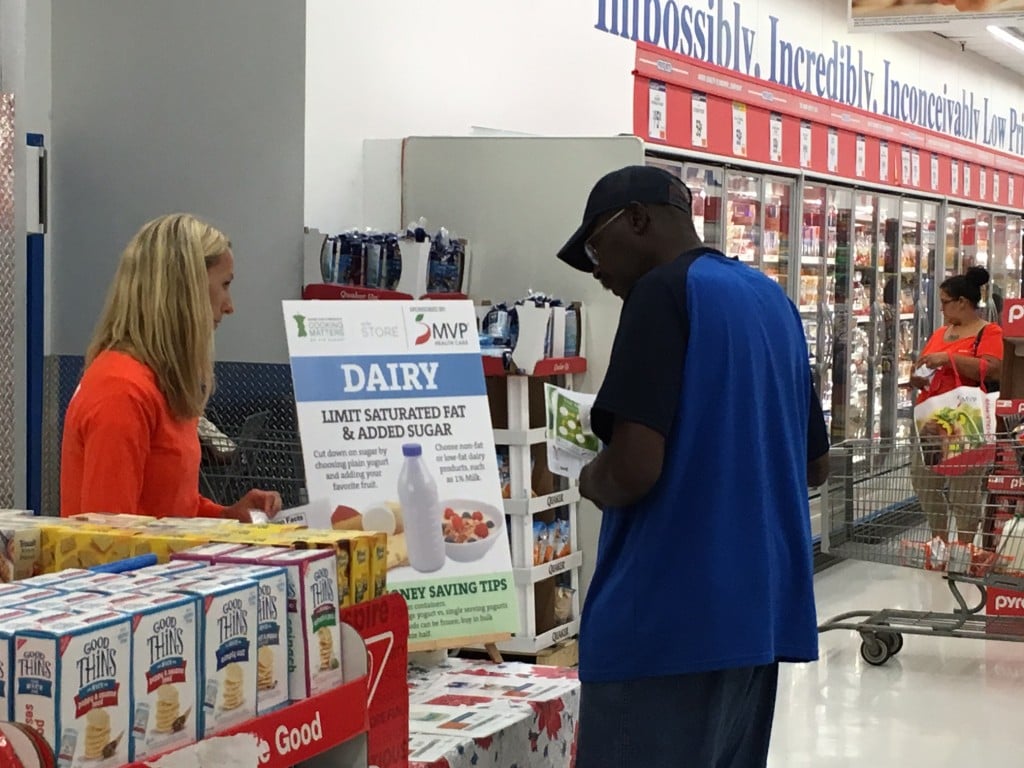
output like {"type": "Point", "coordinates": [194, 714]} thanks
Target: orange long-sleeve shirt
{"type": "Point", "coordinates": [124, 451]}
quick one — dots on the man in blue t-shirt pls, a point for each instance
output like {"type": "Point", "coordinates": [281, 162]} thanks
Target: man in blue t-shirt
{"type": "Point", "coordinates": [704, 575]}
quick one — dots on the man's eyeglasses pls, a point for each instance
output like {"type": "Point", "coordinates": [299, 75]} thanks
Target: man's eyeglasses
{"type": "Point", "coordinates": [588, 246]}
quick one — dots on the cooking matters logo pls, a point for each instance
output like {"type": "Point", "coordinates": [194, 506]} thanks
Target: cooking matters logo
{"type": "Point", "coordinates": [319, 328]}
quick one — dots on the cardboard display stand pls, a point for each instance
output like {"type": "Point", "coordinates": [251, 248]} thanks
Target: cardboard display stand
{"type": "Point", "coordinates": [372, 377]}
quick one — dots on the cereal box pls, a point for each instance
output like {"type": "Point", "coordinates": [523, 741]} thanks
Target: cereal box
{"type": "Point", "coordinates": [316, 633]}
{"type": "Point", "coordinates": [72, 683]}
{"type": "Point", "coordinates": [10, 621]}
{"type": "Point", "coordinates": [20, 555]}
{"type": "Point", "coordinates": [228, 623]}
{"type": "Point", "coordinates": [165, 684]}
{"type": "Point", "coordinates": [206, 553]}
{"type": "Point", "coordinates": [272, 633]}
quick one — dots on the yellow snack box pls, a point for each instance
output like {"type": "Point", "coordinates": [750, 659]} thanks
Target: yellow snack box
{"type": "Point", "coordinates": [378, 564]}
{"type": "Point", "coordinates": [85, 546]}
{"type": "Point", "coordinates": [163, 545]}
{"type": "Point", "coordinates": [357, 547]}
{"type": "Point", "coordinates": [111, 520]}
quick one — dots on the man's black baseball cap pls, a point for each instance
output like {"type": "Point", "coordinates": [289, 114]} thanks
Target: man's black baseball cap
{"type": "Point", "coordinates": [632, 184]}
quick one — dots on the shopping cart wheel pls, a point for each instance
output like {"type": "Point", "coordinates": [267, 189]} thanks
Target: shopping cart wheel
{"type": "Point", "coordinates": [874, 650]}
{"type": "Point", "coordinates": [893, 641]}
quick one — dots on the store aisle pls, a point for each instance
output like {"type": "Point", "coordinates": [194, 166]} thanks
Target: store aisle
{"type": "Point", "coordinates": [941, 702]}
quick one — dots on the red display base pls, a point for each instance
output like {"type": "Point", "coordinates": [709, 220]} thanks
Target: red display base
{"type": "Point", "coordinates": [1009, 407]}
{"type": "Point", "coordinates": [553, 366]}
{"type": "Point", "coordinates": [331, 292]}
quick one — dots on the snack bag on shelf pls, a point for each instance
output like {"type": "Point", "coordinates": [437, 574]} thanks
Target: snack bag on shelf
{"type": "Point", "coordinates": [540, 536]}
{"type": "Point", "coordinates": [272, 690]}
{"type": "Point", "coordinates": [564, 548]}
{"type": "Point", "coordinates": [72, 681]}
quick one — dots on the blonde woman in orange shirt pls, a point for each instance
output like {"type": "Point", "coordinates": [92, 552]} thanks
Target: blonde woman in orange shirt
{"type": "Point", "coordinates": [130, 441]}
{"type": "Point", "coordinates": [965, 341]}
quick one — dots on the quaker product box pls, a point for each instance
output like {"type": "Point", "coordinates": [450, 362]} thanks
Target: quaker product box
{"type": "Point", "coordinates": [175, 569]}
{"type": "Point", "coordinates": [10, 621]}
{"type": "Point", "coordinates": [164, 543]}
{"type": "Point", "coordinates": [20, 553]}
{"type": "Point", "coordinates": [272, 689]}
{"type": "Point", "coordinates": [227, 627]}
{"type": "Point", "coordinates": [165, 677]}
{"type": "Point", "coordinates": [314, 628]}
{"type": "Point", "coordinates": [72, 682]}
{"type": "Point", "coordinates": [206, 553]}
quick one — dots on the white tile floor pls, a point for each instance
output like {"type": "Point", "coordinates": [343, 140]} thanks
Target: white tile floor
{"type": "Point", "coordinates": [941, 702]}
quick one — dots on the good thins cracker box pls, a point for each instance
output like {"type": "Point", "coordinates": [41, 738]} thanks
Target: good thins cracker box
{"type": "Point", "coordinates": [228, 622]}
{"type": "Point", "coordinates": [175, 569]}
{"type": "Point", "coordinates": [72, 683]}
{"type": "Point", "coordinates": [52, 580]}
{"type": "Point", "coordinates": [314, 631]}
{"type": "Point", "coordinates": [272, 690]}
{"type": "Point", "coordinates": [10, 622]}
{"type": "Point", "coordinates": [165, 684]}
{"type": "Point", "coordinates": [163, 544]}
{"type": "Point", "coordinates": [206, 553]}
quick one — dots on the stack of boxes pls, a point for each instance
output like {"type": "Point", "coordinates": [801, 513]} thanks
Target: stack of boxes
{"type": "Point", "coordinates": [48, 545]}
{"type": "Point", "coordinates": [115, 668]}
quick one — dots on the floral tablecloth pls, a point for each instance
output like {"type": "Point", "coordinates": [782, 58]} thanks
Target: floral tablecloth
{"type": "Point", "coordinates": [470, 714]}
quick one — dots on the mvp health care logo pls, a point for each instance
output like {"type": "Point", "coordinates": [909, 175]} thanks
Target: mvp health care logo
{"type": "Point", "coordinates": [423, 331]}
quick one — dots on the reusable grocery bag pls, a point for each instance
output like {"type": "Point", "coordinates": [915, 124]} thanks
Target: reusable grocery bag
{"type": "Point", "coordinates": [956, 429]}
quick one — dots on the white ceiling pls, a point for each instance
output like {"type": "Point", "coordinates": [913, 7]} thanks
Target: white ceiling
{"type": "Point", "coordinates": [979, 41]}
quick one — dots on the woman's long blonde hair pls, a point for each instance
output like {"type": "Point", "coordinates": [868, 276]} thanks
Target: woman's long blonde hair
{"type": "Point", "coordinates": [158, 309]}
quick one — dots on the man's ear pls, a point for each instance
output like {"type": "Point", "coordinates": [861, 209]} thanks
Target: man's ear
{"type": "Point", "coordinates": [639, 218]}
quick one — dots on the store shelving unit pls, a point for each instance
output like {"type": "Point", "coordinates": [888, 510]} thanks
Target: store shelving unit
{"type": "Point", "coordinates": [521, 508]}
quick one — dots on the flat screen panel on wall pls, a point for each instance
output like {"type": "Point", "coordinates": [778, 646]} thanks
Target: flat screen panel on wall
{"type": "Point", "coordinates": [946, 16]}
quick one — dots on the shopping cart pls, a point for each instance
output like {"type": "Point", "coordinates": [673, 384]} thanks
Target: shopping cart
{"type": "Point", "coordinates": [270, 460]}
{"type": "Point", "coordinates": [882, 505]}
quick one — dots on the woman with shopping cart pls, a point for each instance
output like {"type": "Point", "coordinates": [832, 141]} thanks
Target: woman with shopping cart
{"type": "Point", "coordinates": [130, 433]}
{"type": "Point", "coordinates": [966, 351]}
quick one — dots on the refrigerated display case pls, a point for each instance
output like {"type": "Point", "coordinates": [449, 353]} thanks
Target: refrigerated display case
{"type": "Point", "coordinates": [743, 217]}
{"type": "Point", "coordinates": [777, 211]}
{"type": "Point", "coordinates": [705, 185]}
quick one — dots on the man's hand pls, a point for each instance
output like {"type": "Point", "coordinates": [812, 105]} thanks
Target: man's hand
{"type": "Point", "coordinates": [268, 502]}
{"type": "Point", "coordinates": [627, 470]}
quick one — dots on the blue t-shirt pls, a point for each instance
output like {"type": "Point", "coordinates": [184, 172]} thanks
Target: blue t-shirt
{"type": "Point", "coordinates": [713, 569]}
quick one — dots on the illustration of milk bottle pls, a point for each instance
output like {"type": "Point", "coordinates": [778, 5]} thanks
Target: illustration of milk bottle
{"type": "Point", "coordinates": [417, 493]}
